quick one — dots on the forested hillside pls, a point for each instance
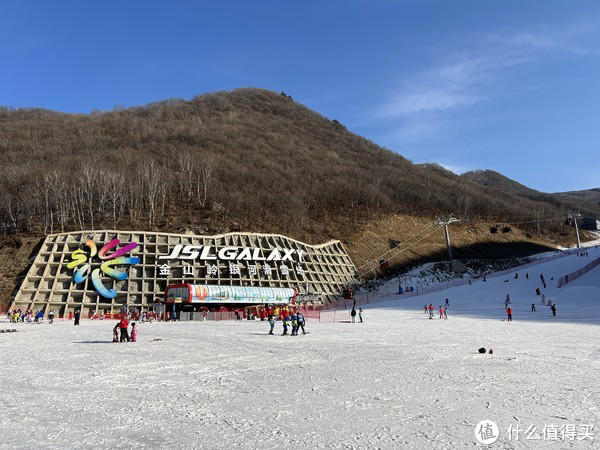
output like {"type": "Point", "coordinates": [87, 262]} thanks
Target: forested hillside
{"type": "Point", "coordinates": [249, 158]}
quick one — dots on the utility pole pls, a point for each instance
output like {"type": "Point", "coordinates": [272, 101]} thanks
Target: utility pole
{"type": "Point", "coordinates": [447, 221]}
{"type": "Point", "coordinates": [574, 217]}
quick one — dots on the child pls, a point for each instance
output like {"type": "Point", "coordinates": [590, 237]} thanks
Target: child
{"type": "Point", "coordinates": [133, 332]}
{"type": "Point", "coordinates": [116, 333]}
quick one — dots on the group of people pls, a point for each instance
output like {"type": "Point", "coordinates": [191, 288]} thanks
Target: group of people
{"type": "Point", "coordinates": [295, 320]}
{"type": "Point", "coordinates": [443, 310]}
{"type": "Point", "coordinates": [549, 303]}
{"type": "Point", "coordinates": [121, 331]}
{"type": "Point", "coordinates": [19, 316]}
{"type": "Point", "coordinates": [353, 315]}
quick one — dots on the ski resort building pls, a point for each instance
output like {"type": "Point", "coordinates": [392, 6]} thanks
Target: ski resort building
{"type": "Point", "coordinates": [106, 271]}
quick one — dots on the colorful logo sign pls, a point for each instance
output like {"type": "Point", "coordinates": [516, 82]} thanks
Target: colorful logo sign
{"type": "Point", "coordinates": [116, 258]}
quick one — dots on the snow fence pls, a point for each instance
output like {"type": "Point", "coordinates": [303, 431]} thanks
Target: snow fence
{"type": "Point", "coordinates": [574, 275]}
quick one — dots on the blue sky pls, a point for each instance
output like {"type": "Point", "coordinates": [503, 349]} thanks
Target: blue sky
{"type": "Point", "coordinates": [512, 86]}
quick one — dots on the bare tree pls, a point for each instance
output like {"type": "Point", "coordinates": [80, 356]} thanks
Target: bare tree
{"type": "Point", "coordinates": [204, 181]}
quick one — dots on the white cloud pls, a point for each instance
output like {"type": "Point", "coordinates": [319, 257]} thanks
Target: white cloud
{"type": "Point", "coordinates": [467, 76]}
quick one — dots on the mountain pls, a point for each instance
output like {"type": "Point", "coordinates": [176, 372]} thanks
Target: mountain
{"type": "Point", "coordinates": [587, 201]}
{"type": "Point", "coordinates": [254, 160]}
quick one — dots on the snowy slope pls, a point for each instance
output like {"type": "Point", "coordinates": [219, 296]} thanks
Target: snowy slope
{"type": "Point", "coordinates": [398, 380]}
{"type": "Point", "coordinates": [579, 302]}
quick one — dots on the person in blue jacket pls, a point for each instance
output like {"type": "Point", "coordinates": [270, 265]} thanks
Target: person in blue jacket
{"type": "Point", "coordinates": [285, 326]}
{"type": "Point", "coordinates": [272, 323]}
{"type": "Point", "coordinates": [294, 324]}
{"type": "Point", "coordinates": [300, 323]}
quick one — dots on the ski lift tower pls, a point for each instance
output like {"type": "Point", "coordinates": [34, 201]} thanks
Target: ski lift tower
{"type": "Point", "coordinates": [574, 216]}
{"type": "Point", "coordinates": [445, 221]}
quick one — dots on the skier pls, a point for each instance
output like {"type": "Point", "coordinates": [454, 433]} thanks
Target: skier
{"type": "Point", "coordinates": [272, 323]}
{"type": "Point", "coordinates": [360, 315]}
{"type": "Point", "coordinates": [533, 307]}
{"type": "Point", "coordinates": [509, 314]}
{"type": "Point", "coordinates": [507, 302]}
{"type": "Point", "coordinates": [301, 323]}
{"type": "Point", "coordinates": [133, 332]}
{"type": "Point", "coordinates": [553, 308]}
{"type": "Point", "coordinates": [353, 315]}
{"type": "Point", "coordinates": [51, 316]}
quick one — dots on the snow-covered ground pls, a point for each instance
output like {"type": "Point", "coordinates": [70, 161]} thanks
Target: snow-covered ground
{"type": "Point", "coordinates": [398, 380]}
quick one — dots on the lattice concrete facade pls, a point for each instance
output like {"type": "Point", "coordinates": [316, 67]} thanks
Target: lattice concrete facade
{"type": "Point", "coordinates": [49, 284]}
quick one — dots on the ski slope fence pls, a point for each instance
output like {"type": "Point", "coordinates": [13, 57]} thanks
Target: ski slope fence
{"type": "Point", "coordinates": [574, 275]}
{"type": "Point", "coordinates": [337, 310]}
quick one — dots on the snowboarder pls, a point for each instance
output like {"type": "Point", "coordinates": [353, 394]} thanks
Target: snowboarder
{"type": "Point", "coordinates": [509, 314]}
{"type": "Point", "coordinates": [553, 308]}
{"type": "Point", "coordinates": [353, 315]}
{"type": "Point", "coordinates": [360, 315]}
{"type": "Point", "coordinates": [533, 307]}
{"type": "Point", "coordinates": [133, 332]}
{"type": "Point", "coordinates": [271, 323]}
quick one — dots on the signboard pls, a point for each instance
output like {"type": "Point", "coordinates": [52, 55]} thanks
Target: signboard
{"type": "Point", "coordinates": [253, 261]}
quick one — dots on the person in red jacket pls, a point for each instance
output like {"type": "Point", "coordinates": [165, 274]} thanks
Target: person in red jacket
{"type": "Point", "coordinates": [431, 311]}
{"type": "Point", "coordinates": [509, 314]}
{"type": "Point", "coordinates": [124, 324]}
